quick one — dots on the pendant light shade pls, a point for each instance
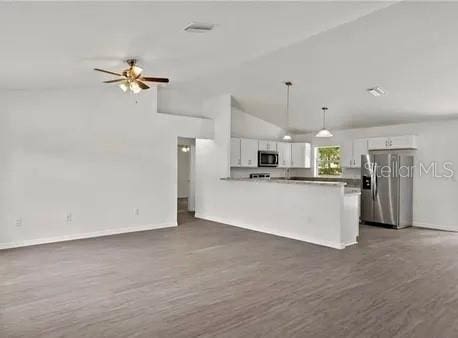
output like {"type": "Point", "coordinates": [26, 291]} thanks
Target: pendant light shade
{"type": "Point", "coordinates": [323, 131]}
{"type": "Point", "coordinates": [287, 136]}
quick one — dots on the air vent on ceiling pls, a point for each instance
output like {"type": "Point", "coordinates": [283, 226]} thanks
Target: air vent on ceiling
{"type": "Point", "coordinates": [199, 27]}
{"type": "Point", "coordinates": [376, 91]}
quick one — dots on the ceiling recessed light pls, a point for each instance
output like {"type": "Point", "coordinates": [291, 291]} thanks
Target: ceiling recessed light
{"type": "Point", "coordinates": [376, 91]}
{"type": "Point", "coordinates": [199, 27]}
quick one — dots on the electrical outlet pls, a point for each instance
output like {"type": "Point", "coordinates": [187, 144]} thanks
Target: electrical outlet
{"type": "Point", "coordinates": [69, 218]}
{"type": "Point", "coordinates": [137, 211]}
{"type": "Point", "coordinates": [19, 221]}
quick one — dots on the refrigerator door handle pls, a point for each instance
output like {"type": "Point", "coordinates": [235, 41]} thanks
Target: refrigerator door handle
{"type": "Point", "coordinates": [374, 184]}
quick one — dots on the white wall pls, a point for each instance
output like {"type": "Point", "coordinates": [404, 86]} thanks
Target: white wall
{"type": "Point", "coordinates": [435, 199]}
{"type": "Point", "coordinates": [213, 157]}
{"type": "Point", "coordinates": [248, 126]}
{"type": "Point", "coordinates": [97, 154]}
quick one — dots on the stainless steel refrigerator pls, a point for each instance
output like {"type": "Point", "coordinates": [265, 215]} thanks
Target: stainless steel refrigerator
{"type": "Point", "coordinates": [386, 189]}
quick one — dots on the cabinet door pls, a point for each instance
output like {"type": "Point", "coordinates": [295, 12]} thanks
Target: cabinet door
{"type": "Point", "coordinates": [300, 155]}
{"type": "Point", "coordinates": [403, 142]}
{"type": "Point", "coordinates": [235, 152]}
{"type": "Point", "coordinates": [359, 148]}
{"type": "Point", "coordinates": [267, 145]}
{"type": "Point", "coordinates": [284, 154]}
{"type": "Point", "coordinates": [378, 143]}
{"type": "Point", "coordinates": [249, 153]}
{"type": "Point", "coordinates": [346, 159]}
{"type": "Point", "coordinates": [272, 145]}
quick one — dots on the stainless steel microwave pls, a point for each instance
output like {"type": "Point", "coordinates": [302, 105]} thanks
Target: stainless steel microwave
{"type": "Point", "coordinates": [267, 158]}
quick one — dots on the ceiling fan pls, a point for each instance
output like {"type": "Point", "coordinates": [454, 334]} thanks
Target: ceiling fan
{"type": "Point", "coordinates": [132, 78]}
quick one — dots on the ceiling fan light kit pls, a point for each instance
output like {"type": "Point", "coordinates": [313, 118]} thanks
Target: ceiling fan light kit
{"type": "Point", "coordinates": [132, 78]}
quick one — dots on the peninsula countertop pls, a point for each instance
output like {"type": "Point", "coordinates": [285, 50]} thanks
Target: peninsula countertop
{"type": "Point", "coordinates": [284, 181]}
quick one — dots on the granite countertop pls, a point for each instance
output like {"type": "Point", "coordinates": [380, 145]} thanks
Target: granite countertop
{"type": "Point", "coordinates": [283, 181]}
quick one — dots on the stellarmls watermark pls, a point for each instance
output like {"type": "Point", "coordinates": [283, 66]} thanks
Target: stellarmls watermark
{"type": "Point", "coordinates": [433, 169]}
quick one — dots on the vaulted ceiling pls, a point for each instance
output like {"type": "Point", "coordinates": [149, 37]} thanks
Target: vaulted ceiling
{"type": "Point", "coordinates": [331, 51]}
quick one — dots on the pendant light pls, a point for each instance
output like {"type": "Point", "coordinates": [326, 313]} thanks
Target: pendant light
{"type": "Point", "coordinates": [287, 136]}
{"type": "Point", "coordinates": [324, 132]}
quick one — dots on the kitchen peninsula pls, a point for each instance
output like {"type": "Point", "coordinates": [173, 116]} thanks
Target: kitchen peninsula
{"type": "Point", "coordinates": [319, 212]}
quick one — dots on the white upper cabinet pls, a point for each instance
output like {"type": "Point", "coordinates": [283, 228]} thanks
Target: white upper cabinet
{"type": "Point", "coordinates": [249, 152]}
{"type": "Point", "coordinates": [346, 154]}
{"type": "Point", "coordinates": [267, 145]}
{"type": "Point", "coordinates": [394, 142]}
{"type": "Point", "coordinates": [300, 155]}
{"type": "Point", "coordinates": [403, 142]}
{"type": "Point", "coordinates": [236, 160]}
{"type": "Point", "coordinates": [352, 151]}
{"type": "Point", "coordinates": [284, 154]}
{"type": "Point", "coordinates": [378, 143]}
{"type": "Point", "coordinates": [359, 148]}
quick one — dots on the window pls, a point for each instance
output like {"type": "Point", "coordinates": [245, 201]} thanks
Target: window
{"type": "Point", "coordinates": [327, 161]}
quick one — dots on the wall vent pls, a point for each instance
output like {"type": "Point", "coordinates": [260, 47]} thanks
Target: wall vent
{"type": "Point", "coordinates": [199, 27]}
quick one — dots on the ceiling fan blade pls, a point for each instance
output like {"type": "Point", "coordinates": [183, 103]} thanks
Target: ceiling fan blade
{"type": "Point", "coordinates": [142, 85]}
{"type": "Point", "coordinates": [107, 71]}
{"type": "Point", "coordinates": [154, 79]}
{"type": "Point", "coordinates": [113, 81]}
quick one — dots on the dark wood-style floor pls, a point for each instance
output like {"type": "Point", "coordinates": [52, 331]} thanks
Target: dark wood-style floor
{"type": "Point", "coordinates": [208, 279]}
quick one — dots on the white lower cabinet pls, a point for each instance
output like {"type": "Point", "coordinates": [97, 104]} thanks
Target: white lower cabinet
{"type": "Point", "coordinates": [236, 160]}
{"type": "Point", "coordinates": [249, 152]}
{"type": "Point", "coordinates": [284, 154]}
{"type": "Point", "coordinates": [300, 155]}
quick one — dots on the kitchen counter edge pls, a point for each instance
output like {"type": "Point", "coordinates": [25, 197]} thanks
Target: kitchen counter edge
{"type": "Point", "coordinates": [282, 181]}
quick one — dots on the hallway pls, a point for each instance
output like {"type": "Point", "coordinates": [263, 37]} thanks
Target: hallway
{"type": "Point", "coordinates": [183, 215]}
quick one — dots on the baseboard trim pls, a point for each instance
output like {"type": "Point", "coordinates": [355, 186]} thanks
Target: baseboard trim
{"type": "Point", "coordinates": [94, 234]}
{"type": "Point", "coordinates": [328, 244]}
{"type": "Point", "coordinates": [435, 226]}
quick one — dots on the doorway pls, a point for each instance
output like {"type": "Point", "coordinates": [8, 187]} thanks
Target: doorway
{"type": "Point", "coordinates": [185, 180]}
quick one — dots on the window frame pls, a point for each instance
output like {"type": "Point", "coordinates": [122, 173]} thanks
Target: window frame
{"type": "Point", "coordinates": [317, 161]}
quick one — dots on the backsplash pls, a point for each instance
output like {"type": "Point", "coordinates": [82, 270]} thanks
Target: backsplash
{"type": "Point", "coordinates": [346, 173]}
{"type": "Point", "coordinates": [245, 172]}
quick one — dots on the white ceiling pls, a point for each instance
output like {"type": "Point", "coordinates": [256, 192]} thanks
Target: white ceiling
{"type": "Point", "coordinates": [409, 49]}
{"type": "Point", "coordinates": [332, 51]}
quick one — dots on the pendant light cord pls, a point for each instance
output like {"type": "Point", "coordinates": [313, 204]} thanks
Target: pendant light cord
{"type": "Point", "coordinates": [287, 106]}
{"type": "Point", "coordinates": [288, 84]}
{"type": "Point", "coordinates": [324, 117]}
